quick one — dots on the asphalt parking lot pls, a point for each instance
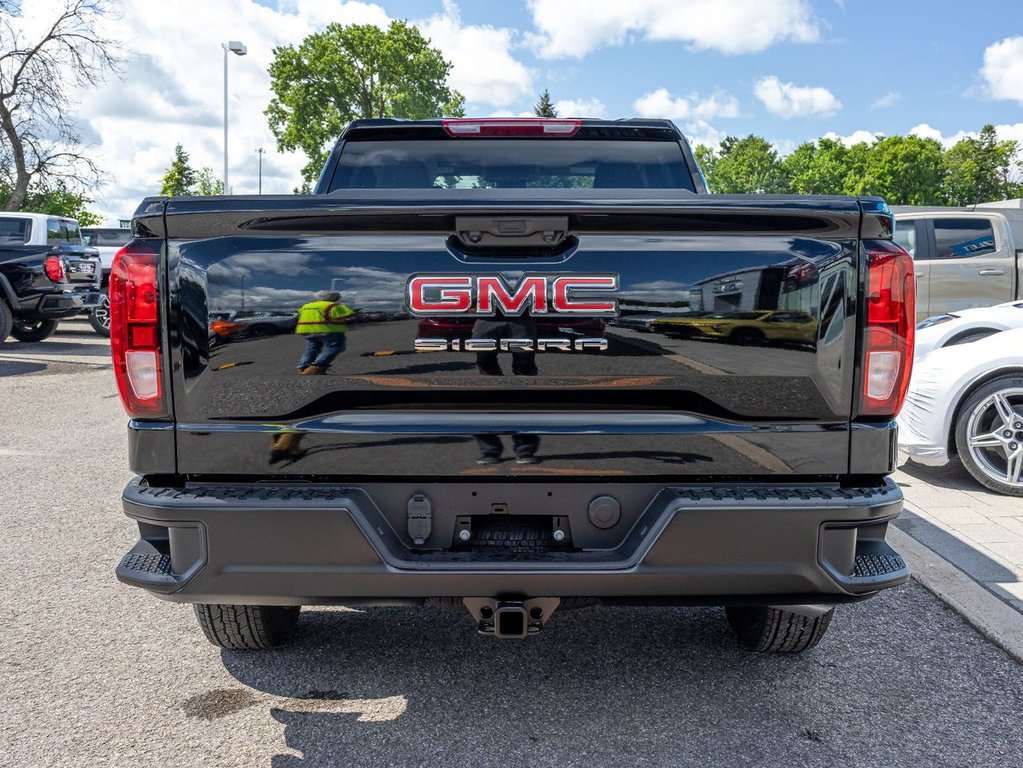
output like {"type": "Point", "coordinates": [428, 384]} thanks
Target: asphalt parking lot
{"type": "Point", "coordinates": [97, 674]}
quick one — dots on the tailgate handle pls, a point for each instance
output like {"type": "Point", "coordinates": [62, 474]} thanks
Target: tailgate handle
{"type": "Point", "coordinates": [542, 232]}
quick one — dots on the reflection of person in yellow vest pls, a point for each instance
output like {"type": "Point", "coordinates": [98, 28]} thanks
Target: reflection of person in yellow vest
{"type": "Point", "coordinates": [321, 322]}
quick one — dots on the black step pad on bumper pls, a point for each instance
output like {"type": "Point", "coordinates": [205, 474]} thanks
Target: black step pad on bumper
{"type": "Point", "coordinates": [145, 565]}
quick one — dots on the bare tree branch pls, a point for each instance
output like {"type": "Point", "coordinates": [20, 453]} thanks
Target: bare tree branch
{"type": "Point", "coordinates": [39, 143]}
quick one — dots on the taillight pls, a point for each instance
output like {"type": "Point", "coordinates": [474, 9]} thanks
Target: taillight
{"type": "Point", "coordinates": [889, 332]}
{"type": "Point", "coordinates": [54, 267]}
{"type": "Point", "coordinates": [134, 328]}
{"type": "Point", "coordinates": [225, 328]}
{"type": "Point", "coordinates": [500, 126]}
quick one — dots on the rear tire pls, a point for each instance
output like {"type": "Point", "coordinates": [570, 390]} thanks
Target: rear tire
{"type": "Point", "coordinates": [746, 337]}
{"type": "Point", "coordinates": [995, 461]}
{"type": "Point", "coordinates": [247, 627]}
{"type": "Point", "coordinates": [33, 331]}
{"type": "Point", "coordinates": [6, 321]}
{"type": "Point", "coordinates": [99, 317]}
{"type": "Point", "coordinates": [775, 630]}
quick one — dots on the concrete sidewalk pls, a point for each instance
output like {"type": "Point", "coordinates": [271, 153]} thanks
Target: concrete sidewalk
{"type": "Point", "coordinates": [978, 531]}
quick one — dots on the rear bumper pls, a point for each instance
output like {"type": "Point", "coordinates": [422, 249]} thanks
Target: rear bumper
{"type": "Point", "coordinates": [318, 544]}
{"type": "Point", "coordinates": [91, 299]}
{"type": "Point", "coordinates": [55, 306]}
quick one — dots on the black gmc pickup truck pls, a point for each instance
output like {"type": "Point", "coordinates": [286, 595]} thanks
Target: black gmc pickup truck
{"type": "Point", "coordinates": [41, 284]}
{"type": "Point", "coordinates": [513, 366]}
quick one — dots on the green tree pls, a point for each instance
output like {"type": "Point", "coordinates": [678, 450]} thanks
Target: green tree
{"type": "Point", "coordinates": [207, 183]}
{"type": "Point", "coordinates": [904, 170]}
{"type": "Point", "coordinates": [44, 61]}
{"type": "Point", "coordinates": [856, 167]}
{"type": "Point", "coordinates": [821, 167]}
{"type": "Point", "coordinates": [181, 177]}
{"type": "Point", "coordinates": [706, 158]}
{"type": "Point", "coordinates": [349, 72]}
{"type": "Point", "coordinates": [544, 107]}
{"type": "Point", "coordinates": [746, 166]}
{"type": "Point", "coordinates": [58, 199]}
{"type": "Point", "coordinates": [979, 170]}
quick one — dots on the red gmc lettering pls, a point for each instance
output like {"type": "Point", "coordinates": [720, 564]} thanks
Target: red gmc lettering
{"type": "Point", "coordinates": [494, 296]}
{"type": "Point", "coordinates": [489, 295]}
{"type": "Point", "coordinates": [564, 286]}
{"type": "Point", "coordinates": [449, 295]}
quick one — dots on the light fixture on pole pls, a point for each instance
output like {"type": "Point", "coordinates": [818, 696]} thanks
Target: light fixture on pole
{"type": "Point", "coordinates": [238, 49]}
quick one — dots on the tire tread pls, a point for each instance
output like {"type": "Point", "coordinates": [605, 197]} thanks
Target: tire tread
{"type": "Point", "coordinates": [246, 627]}
{"type": "Point", "coordinates": [774, 630]}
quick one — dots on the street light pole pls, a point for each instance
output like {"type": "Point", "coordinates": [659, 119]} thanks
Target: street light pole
{"type": "Point", "coordinates": [260, 152]}
{"type": "Point", "coordinates": [238, 49]}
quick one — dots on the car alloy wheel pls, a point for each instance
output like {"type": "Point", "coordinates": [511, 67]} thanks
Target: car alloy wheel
{"type": "Point", "coordinates": [99, 316]}
{"type": "Point", "coordinates": [995, 436]}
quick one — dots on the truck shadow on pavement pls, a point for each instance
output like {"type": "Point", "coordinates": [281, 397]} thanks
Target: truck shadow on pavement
{"type": "Point", "coordinates": [955, 548]}
{"type": "Point", "coordinates": [15, 368]}
{"type": "Point", "coordinates": [952, 476]}
{"type": "Point", "coordinates": [965, 557]}
{"type": "Point", "coordinates": [617, 686]}
{"type": "Point", "coordinates": [53, 347]}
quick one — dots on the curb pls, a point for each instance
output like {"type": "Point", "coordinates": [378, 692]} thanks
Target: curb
{"type": "Point", "coordinates": [997, 621]}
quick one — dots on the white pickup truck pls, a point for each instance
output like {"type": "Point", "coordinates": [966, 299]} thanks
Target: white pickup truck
{"type": "Point", "coordinates": [963, 257]}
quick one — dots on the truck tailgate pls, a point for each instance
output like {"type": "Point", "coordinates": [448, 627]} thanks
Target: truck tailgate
{"type": "Point", "coordinates": [730, 349]}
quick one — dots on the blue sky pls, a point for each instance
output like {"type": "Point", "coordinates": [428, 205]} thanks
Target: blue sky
{"type": "Point", "coordinates": [926, 57]}
{"type": "Point", "coordinates": [790, 70]}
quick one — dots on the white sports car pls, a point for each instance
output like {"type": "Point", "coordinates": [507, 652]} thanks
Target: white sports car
{"type": "Point", "coordinates": [967, 400]}
{"type": "Point", "coordinates": [966, 325]}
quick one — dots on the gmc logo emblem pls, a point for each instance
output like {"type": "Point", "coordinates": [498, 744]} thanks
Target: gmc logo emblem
{"type": "Point", "coordinates": [489, 295]}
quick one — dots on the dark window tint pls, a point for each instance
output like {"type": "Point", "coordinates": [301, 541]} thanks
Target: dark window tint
{"type": "Point", "coordinates": [63, 232]}
{"type": "Point", "coordinates": [905, 235]}
{"type": "Point", "coordinates": [511, 164]}
{"type": "Point", "coordinates": [962, 238]}
{"type": "Point", "coordinates": [14, 231]}
{"type": "Point", "coordinates": [106, 238]}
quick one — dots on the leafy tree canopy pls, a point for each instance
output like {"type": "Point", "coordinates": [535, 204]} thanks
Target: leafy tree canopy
{"type": "Point", "coordinates": [747, 165]}
{"type": "Point", "coordinates": [349, 72]}
{"type": "Point", "coordinates": [59, 199]}
{"type": "Point", "coordinates": [980, 169]}
{"type": "Point", "coordinates": [904, 170]}
{"type": "Point", "coordinates": [820, 168]}
{"type": "Point", "coordinates": [41, 68]}
{"type": "Point", "coordinates": [545, 107]}
{"type": "Point", "coordinates": [182, 179]}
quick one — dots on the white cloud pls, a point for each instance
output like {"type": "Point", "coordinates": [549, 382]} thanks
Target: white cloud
{"type": "Point", "coordinates": [924, 131]}
{"type": "Point", "coordinates": [482, 66]}
{"type": "Point", "coordinates": [1013, 132]}
{"type": "Point", "coordinates": [701, 132]}
{"type": "Point", "coordinates": [856, 137]}
{"type": "Point", "coordinates": [1003, 69]}
{"type": "Point", "coordinates": [691, 113]}
{"type": "Point", "coordinates": [574, 28]}
{"type": "Point", "coordinates": [888, 100]}
{"type": "Point", "coordinates": [580, 108]}
{"type": "Point", "coordinates": [661, 103]}
{"type": "Point", "coordinates": [788, 100]}
{"type": "Point", "coordinates": [172, 90]}
{"type": "Point", "coordinates": [784, 147]}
